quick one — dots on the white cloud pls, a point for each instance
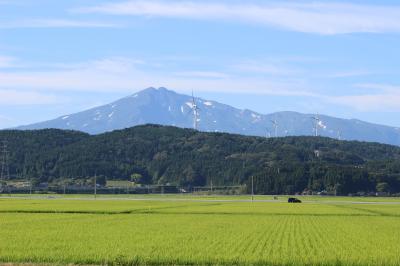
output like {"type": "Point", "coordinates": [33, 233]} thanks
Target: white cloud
{"type": "Point", "coordinates": [202, 74]}
{"type": "Point", "coordinates": [118, 74]}
{"type": "Point", "coordinates": [115, 64]}
{"type": "Point", "coordinates": [381, 97]}
{"type": "Point", "coordinates": [235, 85]}
{"type": "Point", "coordinates": [264, 68]}
{"type": "Point", "coordinates": [4, 2]}
{"type": "Point", "coordinates": [379, 87]}
{"type": "Point", "coordinates": [55, 23]}
{"type": "Point", "coordinates": [15, 97]}
{"type": "Point", "coordinates": [105, 74]}
{"type": "Point", "coordinates": [380, 102]}
{"type": "Point", "coordinates": [314, 17]}
{"type": "Point", "coordinates": [123, 75]}
{"type": "Point", "coordinates": [6, 61]}
{"type": "Point", "coordinates": [348, 74]}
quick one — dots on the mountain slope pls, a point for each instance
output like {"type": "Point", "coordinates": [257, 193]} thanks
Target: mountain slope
{"type": "Point", "coordinates": [165, 107]}
{"type": "Point", "coordinates": [184, 157]}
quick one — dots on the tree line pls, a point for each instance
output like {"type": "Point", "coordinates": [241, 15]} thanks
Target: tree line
{"type": "Point", "coordinates": [153, 154]}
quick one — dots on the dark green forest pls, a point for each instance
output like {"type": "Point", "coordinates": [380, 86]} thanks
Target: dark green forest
{"type": "Point", "coordinates": [153, 154]}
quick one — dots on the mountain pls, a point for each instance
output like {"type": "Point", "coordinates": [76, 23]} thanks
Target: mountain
{"type": "Point", "coordinates": [166, 107]}
{"type": "Point", "coordinates": [162, 155]}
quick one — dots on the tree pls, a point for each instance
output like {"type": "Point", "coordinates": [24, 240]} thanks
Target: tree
{"type": "Point", "coordinates": [382, 187]}
{"type": "Point", "coordinates": [136, 178]}
{"type": "Point", "coordinates": [152, 154]}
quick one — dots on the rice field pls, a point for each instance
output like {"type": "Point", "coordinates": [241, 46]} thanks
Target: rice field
{"type": "Point", "coordinates": [209, 231]}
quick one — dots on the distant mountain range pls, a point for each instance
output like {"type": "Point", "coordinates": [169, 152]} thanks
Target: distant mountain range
{"type": "Point", "coordinates": [166, 107]}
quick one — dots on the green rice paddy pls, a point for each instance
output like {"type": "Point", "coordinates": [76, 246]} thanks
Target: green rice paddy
{"type": "Point", "coordinates": [188, 230]}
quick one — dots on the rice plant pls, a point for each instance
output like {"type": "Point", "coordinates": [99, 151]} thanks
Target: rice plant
{"type": "Point", "coordinates": [156, 232]}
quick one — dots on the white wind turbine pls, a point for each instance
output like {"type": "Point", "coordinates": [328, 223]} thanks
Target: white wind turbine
{"type": "Point", "coordinates": [315, 126]}
{"type": "Point", "coordinates": [268, 133]}
{"type": "Point", "coordinates": [195, 110]}
{"type": "Point", "coordinates": [275, 125]}
{"type": "Point", "coordinates": [318, 124]}
{"type": "Point", "coordinates": [339, 135]}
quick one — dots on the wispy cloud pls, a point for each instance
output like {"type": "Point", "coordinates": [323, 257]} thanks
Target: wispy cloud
{"type": "Point", "coordinates": [6, 61]}
{"type": "Point", "coordinates": [126, 75]}
{"type": "Point", "coordinates": [117, 74]}
{"type": "Point", "coordinates": [15, 97]}
{"type": "Point", "coordinates": [108, 74]}
{"type": "Point", "coordinates": [379, 87]}
{"type": "Point", "coordinates": [56, 23]}
{"type": "Point", "coordinates": [348, 74]}
{"type": "Point", "coordinates": [115, 64]}
{"type": "Point", "coordinates": [313, 17]}
{"type": "Point", "coordinates": [376, 102]}
{"type": "Point", "coordinates": [6, 2]}
{"type": "Point", "coordinates": [378, 97]}
{"type": "Point", "coordinates": [256, 67]}
{"type": "Point", "coordinates": [202, 74]}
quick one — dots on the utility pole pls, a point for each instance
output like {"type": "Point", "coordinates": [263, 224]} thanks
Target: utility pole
{"type": "Point", "coordinates": [252, 188]}
{"type": "Point", "coordinates": [95, 185]}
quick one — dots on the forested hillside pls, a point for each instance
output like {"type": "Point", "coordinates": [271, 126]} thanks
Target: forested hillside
{"type": "Point", "coordinates": [160, 155]}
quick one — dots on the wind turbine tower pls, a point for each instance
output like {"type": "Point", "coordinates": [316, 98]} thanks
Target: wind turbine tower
{"type": "Point", "coordinates": [339, 135]}
{"type": "Point", "coordinates": [268, 134]}
{"type": "Point", "coordinates": [195, 110]}
{"type": "Point", "coordinates": [317, 124]}
{"type": "Point", "coordinates": [275, 125]}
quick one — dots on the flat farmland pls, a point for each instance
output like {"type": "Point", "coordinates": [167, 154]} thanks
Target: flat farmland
{"type": "Point", "coordinates": [199, 231]}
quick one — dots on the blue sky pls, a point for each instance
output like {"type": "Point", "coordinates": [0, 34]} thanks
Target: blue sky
{"type": "Point", "coordinates": [335, 58]}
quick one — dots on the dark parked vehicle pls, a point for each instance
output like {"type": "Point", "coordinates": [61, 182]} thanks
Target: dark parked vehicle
{"type": "Point", "coordinates": [294, 200]}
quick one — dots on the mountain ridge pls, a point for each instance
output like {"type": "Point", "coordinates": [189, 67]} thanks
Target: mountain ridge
{"type": "Point", "coordinates": [167, 107]}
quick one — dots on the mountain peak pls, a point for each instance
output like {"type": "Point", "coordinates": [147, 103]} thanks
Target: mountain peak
{"type": "Point", "coordinates": [166, 107]}
{"type": "Point", "coordinates": [153, 90]}
{"type": "Point", "coordinates": [147, 90]}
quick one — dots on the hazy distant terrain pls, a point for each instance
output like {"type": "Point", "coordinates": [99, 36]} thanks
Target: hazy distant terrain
{"type": "Point", "coordinates": [166, 107]}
